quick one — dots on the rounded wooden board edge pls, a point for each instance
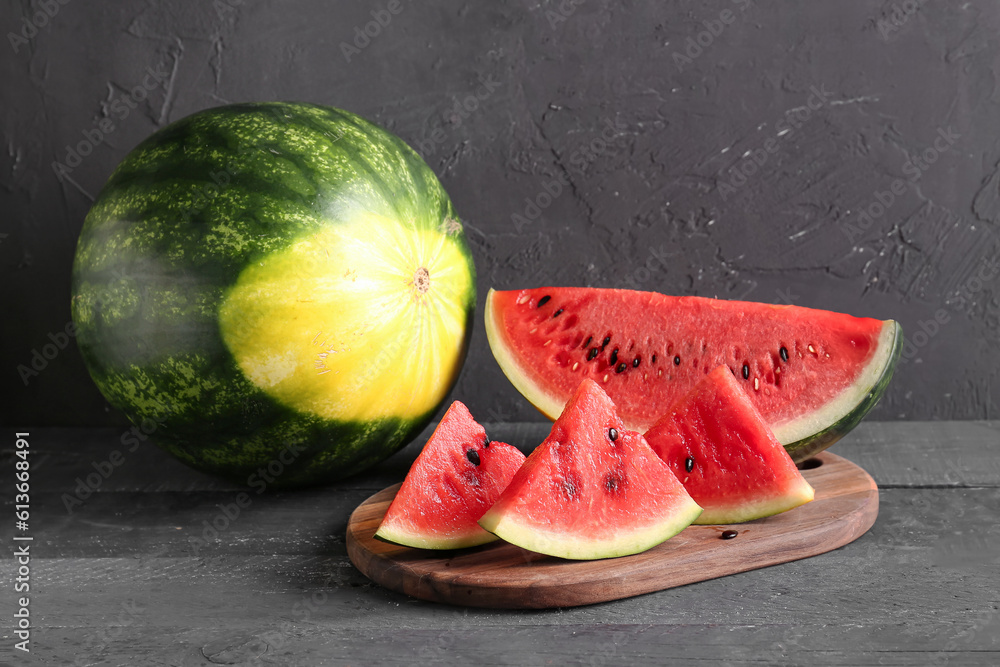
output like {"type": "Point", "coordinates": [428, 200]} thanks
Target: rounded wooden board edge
{"type": "Point", "coordinates": [501, 575]}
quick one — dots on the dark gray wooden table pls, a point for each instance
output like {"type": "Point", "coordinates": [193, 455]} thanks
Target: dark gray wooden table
{"type": "Point", "coordinates": [136, 574]}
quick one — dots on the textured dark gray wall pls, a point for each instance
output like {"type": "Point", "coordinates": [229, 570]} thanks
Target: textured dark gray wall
{"type": "Point", "coordinates": [649, 111]}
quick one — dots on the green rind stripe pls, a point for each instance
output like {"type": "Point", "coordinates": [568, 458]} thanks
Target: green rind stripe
{"type": "Point", "coordinates": [805, 448]}
{"type": "Point", "coordinates": [281, 150]}
{"type": "Point", "coordinates": [178, 221]}
{"type": "Point", "coordinates": [315, 452]}
{"type": "Point", "coordinates": [168, 179]}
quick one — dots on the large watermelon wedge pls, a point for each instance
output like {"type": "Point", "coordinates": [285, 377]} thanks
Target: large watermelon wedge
{"type": "Point", "coordinates": [280, 293]}
{"type": "Point", "coordinates": [592, 489]}
{"type": "Point", "coordinates": [812, 374]}
{"type": "Point", "coordinates": [725, 455]}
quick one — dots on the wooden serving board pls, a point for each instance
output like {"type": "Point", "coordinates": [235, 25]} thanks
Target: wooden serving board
{"type": "Point", "coordinates": [503, 575]}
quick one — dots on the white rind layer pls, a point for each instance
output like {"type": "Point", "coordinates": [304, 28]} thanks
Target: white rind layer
{"type": "Point", "coordinates": [848, 399]}
{"type": "Point", "coordinates": [533, 537]}
{"type": "Point", "coordinates": [787, 432]}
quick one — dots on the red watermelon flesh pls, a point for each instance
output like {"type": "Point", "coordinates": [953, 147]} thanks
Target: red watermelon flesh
{"type": "Point", "coordinates": [717, 444]}
{"type": "Point", "coordinates": [592, 489]}
{"type": "Point", "coordinates": [457, 476]}
{"type": "Point", "coordinates": [812, 374]}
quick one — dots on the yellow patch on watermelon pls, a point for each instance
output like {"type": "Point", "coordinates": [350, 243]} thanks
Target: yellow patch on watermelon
{"type": "Point", "coordinates": [356, 322]}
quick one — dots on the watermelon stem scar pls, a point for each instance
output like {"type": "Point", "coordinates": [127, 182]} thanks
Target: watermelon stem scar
{"type": "Point", "coordinates": [421, 280]}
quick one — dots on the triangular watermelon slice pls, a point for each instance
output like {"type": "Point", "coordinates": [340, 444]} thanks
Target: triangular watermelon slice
{"type": "Point", "coordinates": [718, 445]}
{"type": "Point", "coordinates": [592, 489]}
{"type": "Point", "coordinates": [457, 476]}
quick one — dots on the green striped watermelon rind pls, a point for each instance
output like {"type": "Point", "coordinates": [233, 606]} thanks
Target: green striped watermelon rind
{"type": "Point", "coordinates": [802, 439]}
{"type": "Point", "coordinates": [864, 394]}
{"type": "Point", "coordinates": [194, 402]}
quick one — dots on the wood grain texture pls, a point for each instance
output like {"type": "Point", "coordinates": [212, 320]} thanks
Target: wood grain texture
{"type": "Point", "coordinates": [129, 578]}
{"type": "Point", "coordinates": [506, 576]}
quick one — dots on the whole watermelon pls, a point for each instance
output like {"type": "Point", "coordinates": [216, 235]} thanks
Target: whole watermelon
{"type": "Point", "coordinates": [278, 293]}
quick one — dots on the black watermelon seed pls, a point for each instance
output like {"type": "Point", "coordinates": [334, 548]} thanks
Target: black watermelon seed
{"type": "Point", "coordinates": [635, 362]}
{"type": "Point", "coordinates": [746, 372]}
{"type": "Point", "coordinates": [544, 300]}
{"type": "Point", "coordinates": [558, 313]}
{"type": "Point", "coordinates": [588, 341]}
{"type": "Point", "coordinates": [613, 434]}
{"type": "Point", "coordinates": [605, 343]}
{"type": "Point", "coordinates": [689, 464]}
{"type": "Point", "coordinates": [593, 353]}
{"type": "Point", "coordinates": [654, 359]}
{"type": "Point", "coordinates": [614, 357]}
{"type": "Point", "coordinates": [611, 483]}
{"type": "Point", "coordinates": [677, 361]}
{"type": "Point", "coordinates": [728, 534]}
{"type": "Point", "coordinates": [621, 367]}
{"type": "Point", "coordinates": [784, 353]}
{"type": "Point", "coordinates": [473, 456]}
